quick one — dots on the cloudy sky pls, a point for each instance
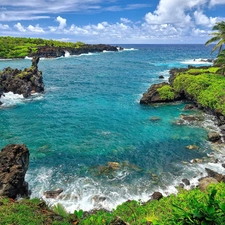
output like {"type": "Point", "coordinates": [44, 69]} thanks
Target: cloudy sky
{"type": "Point", "coordinates": [112, 21]}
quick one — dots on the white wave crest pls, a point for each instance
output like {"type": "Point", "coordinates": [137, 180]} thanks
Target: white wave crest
{"type": "Point", "coordinates": [197, 61]}
{"type": "Point", "coordinates": [10, 99]}
{"type": "Point", "coordinates": [67, 54]}
{"type": "Point", "coordinates": [130, 49]}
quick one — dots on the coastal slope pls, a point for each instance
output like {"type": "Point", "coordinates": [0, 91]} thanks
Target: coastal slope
{"type": "Point", "coordinates": [203, 86]}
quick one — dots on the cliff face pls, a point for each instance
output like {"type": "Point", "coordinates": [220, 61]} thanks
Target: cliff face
{"type": "Point", "coordinates": [201, 85]}
{"type": "Point", "coordinates": [23, 82]}
{"type": "Point", "coordinates": [53, 52]}
{"type": "Point", "coordinates": [14, 161]}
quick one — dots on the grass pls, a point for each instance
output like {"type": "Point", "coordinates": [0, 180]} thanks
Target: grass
{"type": "Point", "coordinates": [187, 207]}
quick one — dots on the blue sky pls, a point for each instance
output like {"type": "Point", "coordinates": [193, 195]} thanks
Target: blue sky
{"type": "Point", "coordinates": [112, 21]}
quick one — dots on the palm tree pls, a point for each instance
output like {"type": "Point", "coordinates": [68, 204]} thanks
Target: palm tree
{"type": "Point", "coordinates": [220, 61]}
{"type": "Point", "coordinates": [219, 36]}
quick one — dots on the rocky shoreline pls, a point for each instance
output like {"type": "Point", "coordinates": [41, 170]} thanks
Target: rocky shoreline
{"type": "Point", "coordinates": [54, 52]}
{"type": "Point", "coordinates": [165, 93]}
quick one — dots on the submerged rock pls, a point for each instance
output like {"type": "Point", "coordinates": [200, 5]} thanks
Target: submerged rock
{"type": "Point", "coordinates": [14, 161]}
{"type": "Point", "coordinates": [114, 165]}
{"type": "Point", "coordinates": [192, 147]}
{"type": "Point", "coordinates": [23, 82]}
{"type": "Point", "coordinates": [154, 118]}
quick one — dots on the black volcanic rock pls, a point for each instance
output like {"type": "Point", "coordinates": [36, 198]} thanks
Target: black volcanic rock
{"type": "Point", "coordinates": [23, 82]}
{"type": "Point", "coordinates": [153, 96]}
{"type": "Point", "coordinates": [53, 52]}
{"type": "Point", "coordinates": [14, 161]}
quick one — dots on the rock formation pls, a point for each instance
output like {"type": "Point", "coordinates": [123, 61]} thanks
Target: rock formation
{"type": "Point", "coordinates": [153, 95]}
{"type": "Point", "coordinates": [23, 82]}
{"type": "Point", "coordinates": [53, 52]}
{"type": "Point", "coordinates": [14, 161]}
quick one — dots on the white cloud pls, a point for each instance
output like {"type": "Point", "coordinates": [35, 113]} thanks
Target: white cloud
{"type": "Point", "coordinates": [36, 29]}
{"type": "Point", "coordinates": [173, 12]}
{"type": "Point", "coordinates": [4, 26]}
{"type": "Point", "coordinates": [125, 20]}
{"type": "Point", "coordinates": [202, 19]}
{"type": "Point", "coordinates": [217, 2]}
{"type": "Point", "coordinates": [198, 32]}
{"type": "Point", "coordinates": [20, 27]}
{"type": "Point", "coordinates": [62, 22]}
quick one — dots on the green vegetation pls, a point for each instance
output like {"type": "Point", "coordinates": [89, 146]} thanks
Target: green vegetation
{"type": "Point", "coordinates": [28, 212]}
{"type": "Point", "coordinates": [187, 207]}
{"type": "Point", "coordinates": [207, 88]}
{"type": "Point", "coordinates": [166, 92]}
{"type": "Point", "coordinates": [17, 47]}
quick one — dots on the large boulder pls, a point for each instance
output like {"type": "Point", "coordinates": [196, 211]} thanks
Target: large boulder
{"type": "Point", "coordinates": [205, 182]}
{"type": "Point", "coordinates": [213, 136]}
{"type": "Point", "coordinates": [14, 161]}
{"type": "Point", "coordinates": [23, 82]}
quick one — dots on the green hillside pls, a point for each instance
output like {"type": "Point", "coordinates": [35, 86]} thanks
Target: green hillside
{"type": "Point", "coordinates": [19, 47]}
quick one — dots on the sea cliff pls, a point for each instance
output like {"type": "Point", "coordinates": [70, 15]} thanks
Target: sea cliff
{"type": "Point", "coordinates": [203, 86]}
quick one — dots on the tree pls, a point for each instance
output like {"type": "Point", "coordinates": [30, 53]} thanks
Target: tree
{"type": "Point", "coordinates": [220, 61]}
{"type": "Point", "coordinates": [219, 36]}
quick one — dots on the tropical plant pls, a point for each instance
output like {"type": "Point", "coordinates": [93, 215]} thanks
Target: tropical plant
{"type": "Point", "coordinates": [220, 61]}
{"type": "Point", "coordinates": [218, 35]}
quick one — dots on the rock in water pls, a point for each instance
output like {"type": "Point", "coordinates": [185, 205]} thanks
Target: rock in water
{"type": "Point", "coordinates": [14, 161]}
{"type": "Point", "coordinates": [23, 82]}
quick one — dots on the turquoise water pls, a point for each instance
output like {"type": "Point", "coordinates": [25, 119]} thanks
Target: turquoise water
{"type": "Point", "coordinates": [90, 115]}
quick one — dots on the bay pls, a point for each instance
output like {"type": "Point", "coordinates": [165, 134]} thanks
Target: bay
{"type": "Point", "coordinates": [90, 115]}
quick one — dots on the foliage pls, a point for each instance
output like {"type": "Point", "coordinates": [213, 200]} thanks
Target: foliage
{"type": "Point", "coordinates": [18, 47]}
{"type": "Point", "coordinates": [28, 212]}
{"type": "Point", "coordinates": [166, 92]}
{"type": "Point", "coordinates": [219, 36]}
{"type": "Point", "coordinates": [59, 209]}
{"type": "Point", "coordinates": [208, 89]}
{"type": "Point", "coordinates": [188, 207]}
{"type": "Point", "coordinates": [220, 61]}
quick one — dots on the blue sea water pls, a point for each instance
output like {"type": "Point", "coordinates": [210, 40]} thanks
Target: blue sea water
{"type": "Point", "coordinates": [90, 115]}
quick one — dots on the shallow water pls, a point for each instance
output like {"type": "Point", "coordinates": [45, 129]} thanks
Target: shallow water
{"type": "Point", "coordinates": [90, 115]}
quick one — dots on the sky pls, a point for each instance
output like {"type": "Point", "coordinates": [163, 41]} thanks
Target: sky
{"type": "Point", "coordinates": [112, 21]}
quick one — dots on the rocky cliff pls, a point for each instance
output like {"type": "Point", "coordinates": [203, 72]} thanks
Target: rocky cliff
{"type": "Point", "coordinates": [203, 86]}
{"type": "Point", "coordinates": [53, 52]}
{"type": "Point", "coordinates": [23, 82]}
{"type": "Point", "coordinates": [14, 161]}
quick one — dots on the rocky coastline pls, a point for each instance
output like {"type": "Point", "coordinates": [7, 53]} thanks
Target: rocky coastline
{"type": "Point", "coordinates": [54, 52]}
{"type": "Point", "coordinates": [166, 92]}
{"type": "Point", "coordinates": [24, 82]}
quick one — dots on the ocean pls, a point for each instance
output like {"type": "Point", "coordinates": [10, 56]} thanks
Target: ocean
{"type": "Point", "coordinates": [89, 115]}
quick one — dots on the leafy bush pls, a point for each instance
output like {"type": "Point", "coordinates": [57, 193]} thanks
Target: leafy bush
{"type": "Point", "coordinates": [166, 92]}
{"type": "Point", "coordinates": [208, 89]}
